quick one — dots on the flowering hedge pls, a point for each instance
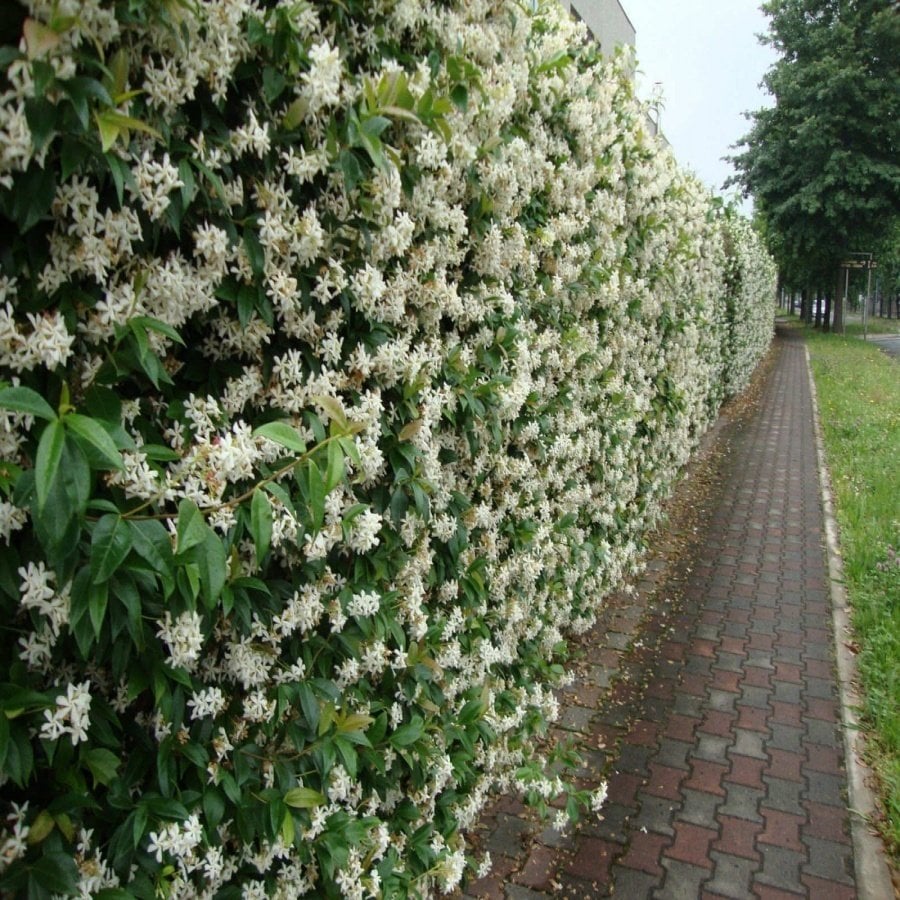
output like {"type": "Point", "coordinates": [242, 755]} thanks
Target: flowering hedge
{"type": "Point", "coordinates": [348, 349]}
{"type": "Point", "coordinates": [749, 278]}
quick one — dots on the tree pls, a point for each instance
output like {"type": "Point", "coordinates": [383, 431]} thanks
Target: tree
{"type": "Point", "coordinates": [823, 163]}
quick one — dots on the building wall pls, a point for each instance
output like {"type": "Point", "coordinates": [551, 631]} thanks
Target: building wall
{"type": "Point", "coordinates": [607, 20]}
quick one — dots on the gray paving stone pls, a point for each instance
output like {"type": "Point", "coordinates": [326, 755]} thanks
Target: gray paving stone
{"type": "Point", "coordinates": [730, 662]}
{"type": "Point", "coordinates": [673, 753]}
{"type": "Point", "coordinates": [689, 705]}
{"type": "Point", "coordinates": [781, 868]}
{"type": "Point", "coordinates": [506, 838]}
{"type": "Point", "coordinates": [741, 802]}
{"type": "Point", "coordinates": [829, 860]}
{"type": "Point", "coordinates": [749, 743]}
{"type": "Point", "coordinates": [712, 748]}
{"type": "Point", "coordinates": [783, 795]}
{"type": "Point", "coordinates": [633, 885]}
{"type": "Point", "coordinates": [788, 692]}
{"type": "Point", "coordinates": [683, 881]}
{"type": "Point", "coordinates": [732, 876]}
{"type": "Point", "coordinates": [824, 788]}
{"type": "Point", "coordinates": [757, 697]}
{"type": "Point", "coordinates": [819, 732]}
{"type": "Point", "coordinates": [722, 701]}
{"type": "Point", "coordinates": [822, 688]}
{"type": "Point", "coordinates": [656, 815]}
{"type": "Point", "coordinates": [786, 737]}
{"type": "Point", "coordinates": [698, 807]}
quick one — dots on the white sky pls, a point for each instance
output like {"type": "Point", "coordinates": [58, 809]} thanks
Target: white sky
{"type": "Point", "coordinates": [706, 55]}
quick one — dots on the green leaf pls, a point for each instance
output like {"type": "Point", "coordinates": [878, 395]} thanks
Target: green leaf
{"type": "Point", "coordinates": [90, 430]}
{"type": "Point", "coordinates": [191, 529]}
{"type": "Point", "coordinates": [25, 400]}
{"type": "Point", "coordinates": [316, 487]}
{"type": "Point", "coordinates": [49, 454]}
{"type": "Point", "coordinates": [152, 543]}
{"type": "Point", "coordinates": [151, 324]}
{"type": "Point", "coordinates": [408, 734]}
{"type": "Point", "coordinates": [104, 764]}
{"type": "Point", "coordinates": [32, 196]}
{"type": "Point", "coordinates": [110, 544]}
{"type": "Point", "coordinates": [287, 829]}
{"type": "Point", "coordinates": [335, 470]}
{"type": "Point", "coordinates": [56, 872]}
{"type": "Point", "coordinates": [261, 523]}
{"type": "Point", "coordinates": [212, 562]}
{"type": "Point", "coordinates": [41, 827]}
{"type": "Point", "coordinates": [213, 806]}
{"type": "Point", "coordinates": [111, 124]}
{"type": "Point", "coordinates": [283, 434]}
{"type": "Point", "coordinates": [98, 598]}
{"type": "Point", "coordinates": [303, 798]}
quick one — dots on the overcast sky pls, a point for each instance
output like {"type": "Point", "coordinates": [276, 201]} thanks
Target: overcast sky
{"type": "Point", "coordinates": [706, 55]}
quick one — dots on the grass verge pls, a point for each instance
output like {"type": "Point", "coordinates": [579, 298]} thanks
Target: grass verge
{"type": "Point", "coordinates": [859, 402]}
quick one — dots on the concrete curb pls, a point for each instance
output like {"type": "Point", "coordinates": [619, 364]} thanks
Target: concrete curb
{"type": "Point", "coordinates": [873, 877]}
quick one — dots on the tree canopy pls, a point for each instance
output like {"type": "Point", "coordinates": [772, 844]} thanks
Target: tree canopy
{"type": "Point", "coordinates": [823, 163]}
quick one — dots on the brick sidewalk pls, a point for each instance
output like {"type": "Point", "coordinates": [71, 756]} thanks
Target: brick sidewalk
{"type": "Point", "coordinates": [709, 701]}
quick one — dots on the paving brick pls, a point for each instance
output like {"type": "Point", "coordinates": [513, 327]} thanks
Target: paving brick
{"type": "Point", "coordinates": [827, 890]}
{"type": "Point", "coordinates": [785, 764]}
{"type": "Point", "coordinates": [691, 844]}
{"type": "Point", "coordinates": [829, 823]}
{"type": "Point", "coordinates": [750, 743]}
{"type": "Point", "coordinates": [634, 884]}
{"type": "Point", "coordinates": [611, 824]}
{"type": "Point", "coordinates": [746, 770]}
{"type": "Point", "coordinates": [782, 794]}
{"type": "Point", "coordinates": [732, 876]}
{"type": "Point", "coordinates": [633, 759]}
{"type": "Point", "coordinates": [507, 836]}
{"type": "Point", "coordinates": [718, 722]}
{"type": "Point", "coordinates": [622, 788]}
{"type": "Point", "coordinates": [592, 859]}
{"type": "Point", "coordinates": [742, 802]}
{"type": "Point", "coordinates": [782, 829]}
{"type": "Point", "coordinates": [827, 789]}
{"type": "Point", "coordinates": [819, 732]}
{"type": "Point", "coordinates": [683, 881]}
{"type": "Point", "coordinates": [786, 737]}
{"type": "Point", "coordinates": [823, 759]}
{"type": "Point", "coordinates": [539, 869]}
{"type": "Point", "coordinates": [644, 852]}
{"type": "Point", "coordinates": [656, 814]}
{"type": "Point", "coordinates": [738, 837]}
{"type": "Point", "coordinates": [673, 753]}
{"type": "Point", "coordinates": [753, 718]}
{"type": "Point", "coordinates": [706, 776]}
{"type": "Point", "coordinates": [781, 868]}
{"type": "Point", "coordinates": [829, 860]}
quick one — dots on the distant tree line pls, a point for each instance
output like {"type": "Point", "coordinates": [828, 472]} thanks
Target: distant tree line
{"type": "Point", "coordinates": [823, 163]}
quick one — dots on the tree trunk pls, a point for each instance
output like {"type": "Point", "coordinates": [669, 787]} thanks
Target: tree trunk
{"type": "Point", "coordinates": [818, 321]}
{"type": "Point", "coordinates": [838, 326]}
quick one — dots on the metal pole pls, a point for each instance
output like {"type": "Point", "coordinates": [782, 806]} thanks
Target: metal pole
{"type": "Point", "coordinates": [846, 299]}
{"type": "Point", "coordinates": [866, 307]}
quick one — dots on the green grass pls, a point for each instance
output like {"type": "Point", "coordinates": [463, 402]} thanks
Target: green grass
{"type": "Point", "coordinates": [854, 326]}
{"type": "Point", "coordinates": [859, 401]}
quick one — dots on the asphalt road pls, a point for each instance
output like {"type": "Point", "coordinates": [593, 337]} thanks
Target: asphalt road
{"type": "Point", "coordinates": [890, 343]}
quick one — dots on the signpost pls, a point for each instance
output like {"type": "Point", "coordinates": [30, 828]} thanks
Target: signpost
{"type": "Point", "coordinates": [861, 261]}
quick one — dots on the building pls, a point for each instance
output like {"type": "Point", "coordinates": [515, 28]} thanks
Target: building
{"type": "Point", "coordinates": [609, 25]}
{"type": "Point", "coordinates": [607, 22]}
